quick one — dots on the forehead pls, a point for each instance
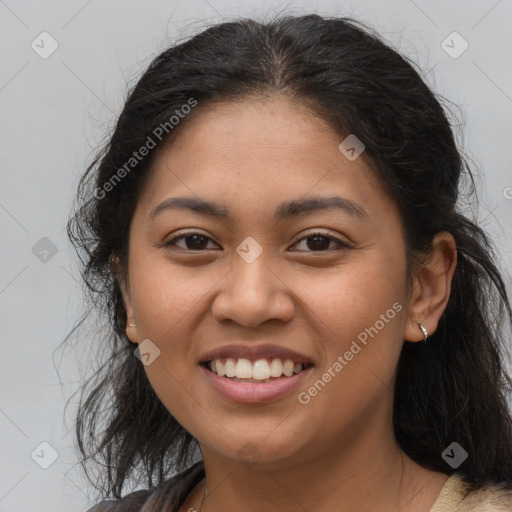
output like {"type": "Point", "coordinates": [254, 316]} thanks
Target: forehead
{"type": "Point", "coordinates": [256, 153]}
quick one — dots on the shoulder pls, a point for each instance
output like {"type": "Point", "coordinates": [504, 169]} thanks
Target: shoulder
{"type": "Point", "coordinates": [132, 502]}
{"type": "Point", "coordinates": [171, 493]}
{"type": "Point", "coordinates": [458, 495]}
{"type": "Point", "coordinates": [489, 498]}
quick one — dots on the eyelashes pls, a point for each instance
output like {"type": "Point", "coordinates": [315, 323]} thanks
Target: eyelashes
{"type": "Point", "coordinates": [319, 235]}
{"type": "Point", "coordinates": [196, 242]}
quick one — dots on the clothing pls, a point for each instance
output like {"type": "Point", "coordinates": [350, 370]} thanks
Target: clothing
{"type": "Point", "coordinates": [176, 491]}
{"type": "Point", "coordinates": [455, 496]}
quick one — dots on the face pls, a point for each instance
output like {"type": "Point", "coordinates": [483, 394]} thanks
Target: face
{"type": "Point", "coordinates": [326, 283]}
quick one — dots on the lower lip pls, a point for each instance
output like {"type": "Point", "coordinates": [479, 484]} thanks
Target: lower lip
{"type": "Point", "coordinates": [252, 392]}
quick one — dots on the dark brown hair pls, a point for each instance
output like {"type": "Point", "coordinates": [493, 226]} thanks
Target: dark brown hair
{"type": "Point", "coordinates": [453, 388]}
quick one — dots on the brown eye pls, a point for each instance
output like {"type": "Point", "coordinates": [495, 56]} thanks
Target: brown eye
{"type": "Point", "coordinates": [314, 242]}
{"type": "Point", "coordinates": [192, 242]}
{"type": "Point", "coordinates": [320, 242]}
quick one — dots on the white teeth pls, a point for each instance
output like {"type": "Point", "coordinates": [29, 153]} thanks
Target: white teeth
{"type": "Point", "coordinates": [230, 367]}
{"type": "Point", "coordinates": [219, 369]}
{"type": "Point", "coordinates": [243, 369]}
{"type": "Point", "coordinates": [276, 368]}
{"type": "Point", "coordinates": [288, 368]}
{"type": "Point", "coordinates": [260, 369]}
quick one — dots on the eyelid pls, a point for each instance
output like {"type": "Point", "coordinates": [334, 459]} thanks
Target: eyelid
{"type": "Point", "coordinates": [309, 234]}
{"type": "Point", "coordinates": [190, 231]}
{"type": "Point", "coordinates": [182, 234]}
{"type": "Point", "coordinates": [324, 233]}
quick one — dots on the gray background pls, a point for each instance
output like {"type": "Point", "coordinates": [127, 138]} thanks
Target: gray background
{"type": "Point", "coordinates": [56, 110]}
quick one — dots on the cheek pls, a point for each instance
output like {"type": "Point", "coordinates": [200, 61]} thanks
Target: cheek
{"type": "Point", "coordinates": [358, 312]}
{"type": "Point", "coordinates": [164, 294]}
{"type": "Point", "coordinates": [166, 299]}
{"type": "Point", "coordinates": [359, 321]}
{"type": "Point", "coordinates": [353, 295]}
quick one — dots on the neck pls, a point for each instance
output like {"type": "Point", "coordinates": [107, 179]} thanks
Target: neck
{"type": "Point", "coordinates": [369, 473]}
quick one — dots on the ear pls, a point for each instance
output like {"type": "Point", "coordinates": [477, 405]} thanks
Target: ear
{"type": "Point", "coordinates": [131, 332]}
{"type": "Point", "coordinates": [431, 287]}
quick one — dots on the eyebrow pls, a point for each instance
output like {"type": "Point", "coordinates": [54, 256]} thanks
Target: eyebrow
{"type": "Point", "coordinates": [283, 211]}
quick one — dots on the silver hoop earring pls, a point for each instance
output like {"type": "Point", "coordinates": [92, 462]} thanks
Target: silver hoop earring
{"type": "Point", "coordinates": [132, 325]}
{"type": "Point", "coordinates": [424, 331]}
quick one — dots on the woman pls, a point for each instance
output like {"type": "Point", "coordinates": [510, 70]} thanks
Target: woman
{"type": "Point", "coordinates": [274, 233]}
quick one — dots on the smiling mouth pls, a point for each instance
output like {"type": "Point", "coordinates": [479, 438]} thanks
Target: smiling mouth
{"type": "Point", "coordinates": [258, 370]}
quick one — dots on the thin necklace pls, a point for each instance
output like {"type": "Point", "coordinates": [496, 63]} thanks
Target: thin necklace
{"type": "Point", "coordinates": [204, 496]}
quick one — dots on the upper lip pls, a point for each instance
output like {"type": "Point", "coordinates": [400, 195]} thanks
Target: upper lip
{"type": "Point", "coordinates": [254, 352]}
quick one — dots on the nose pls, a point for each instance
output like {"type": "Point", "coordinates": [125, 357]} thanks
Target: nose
{"type": "Point", "coordinates": [252, 293]}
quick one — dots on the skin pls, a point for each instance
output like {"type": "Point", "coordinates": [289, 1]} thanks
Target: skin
{"type": "Point", "coordinates": [337, 452]}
